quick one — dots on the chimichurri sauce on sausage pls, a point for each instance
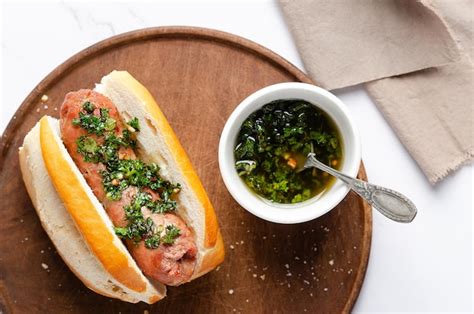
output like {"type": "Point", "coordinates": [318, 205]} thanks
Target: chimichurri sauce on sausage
{"type": "Point", "coordinates": [275, 140]}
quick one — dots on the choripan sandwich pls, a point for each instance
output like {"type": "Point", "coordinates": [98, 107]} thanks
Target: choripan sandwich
{"type": "Point", "coordinates": [117, 194]}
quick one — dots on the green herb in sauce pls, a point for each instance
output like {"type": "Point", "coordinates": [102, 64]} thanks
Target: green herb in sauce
{"type": "Point", "coordinates": [119, 174]}
{"type": "Point", "coordinates": [274, 141]}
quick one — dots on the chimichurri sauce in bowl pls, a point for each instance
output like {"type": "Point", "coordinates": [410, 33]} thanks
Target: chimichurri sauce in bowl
{"type": "Point", "coordinates": [275, 140]}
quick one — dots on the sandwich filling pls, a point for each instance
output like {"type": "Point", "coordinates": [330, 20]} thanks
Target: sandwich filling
{"type": "Point", "coordinates": [139, 202]}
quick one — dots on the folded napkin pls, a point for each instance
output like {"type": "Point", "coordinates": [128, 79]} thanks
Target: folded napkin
{"type": "Point", "coordinates": [343, 43]}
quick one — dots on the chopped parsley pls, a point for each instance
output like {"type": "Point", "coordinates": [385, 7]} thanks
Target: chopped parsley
{"type": "Point", "coordinates": [92, 123]}
{"type": "Point", "coordinates": [134, 124]}
{"type": "Point", "coordinates": [275, 139]}
{"type": "Point", "coordinates": [121, 173]}
{"type": "Point", "coordinates": [171, 233]}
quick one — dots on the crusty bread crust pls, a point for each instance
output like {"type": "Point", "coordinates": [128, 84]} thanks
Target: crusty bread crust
{"type": "Point", "coordinates": [158, 142]}
{"type": "Point", "coordinates": [59, 224]}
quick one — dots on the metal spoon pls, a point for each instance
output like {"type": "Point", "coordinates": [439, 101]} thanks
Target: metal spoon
{"type": "Point", "coordinates": [388, 202]}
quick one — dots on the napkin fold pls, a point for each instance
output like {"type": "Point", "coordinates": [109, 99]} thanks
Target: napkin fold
{"type": "Point", "coordinates": [343, 43]}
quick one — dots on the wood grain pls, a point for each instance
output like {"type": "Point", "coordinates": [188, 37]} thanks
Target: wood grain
{"type": "Point", "coordinates": [198, 76]}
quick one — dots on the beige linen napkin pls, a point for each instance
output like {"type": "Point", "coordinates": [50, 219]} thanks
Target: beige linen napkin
{"type": "Point", "coordinates": [348, 42]}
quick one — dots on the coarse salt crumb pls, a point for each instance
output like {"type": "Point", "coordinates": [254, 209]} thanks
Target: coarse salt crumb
{"type": "Point", "coordinates": [248, 230]}
{"type": "Point", "coordinates": [42, 251]}
{"type": "Point", "coordinates": [255, 266]}
{"type": "Point", "coordinates": [288, 275]}
{"type": "Point", "coordinates": [146, 312]}
{"type": "Point", "coordinates": [44, 98]}
{"type": "Point", "coordinates": [355, 247]}
{"type": "Point", "coordinates": [287, 266]}
{"type": "Point", "coordinates": [218, 267]}
{"type": "Point", "coordinates": [234, 310]}
{"type": "Point", "coordinates": [236, 242]}
{"type": "Point", "coordinates": [305, 310]}
{"type": "Point", "coordinates": [262, 277]}
{"type": "Point", "coordinates": [310, 294]}
{"type": "Point", "coordinates": [315, 249]}
{"type": "Point", "coordinates": [326, 229]}
{"type": "Point", "coordinates": [37, 110]}
{"type": "Point", "coordinates": [247, 300]}
{"type": "Point", "coordinates": [264, 268]}
{"type": "Point", "coordinates": [45, 266]}
{"type": "Point", "coordinates": [231, 247]}
{"type": "Point", "coordinates": [21, 220]}
{"type": "Point", "coordinates": [254, 275]}
{"type": "Point", "coordinates": [289, 286]}
{"type": "Point", "coordinates": [304, 262]}
{"type": "Point", "coordinates": [242, 242]}
{"type": "Point", "coordinates": [325, 289]}
{"type": "Point", "coordinates": [273, 235]}
{"type": "Point", "coordinates": [306, 282]}
{"type": "Point", "coordinates": [301, 289]}
{"type": "Point", "coordinates": [45, 107]}
{"type": "Point", "coordinates": [264, 237]}
{"type": "Point", "coordinates": [49, 299]}
{"type": "Point", "coordinates": [331, 262]}
{"type": "Point", "coordinates": [249, 269]}
{"type": "Point", "coordinates": [59, 285]}
{"type": "Point", "coordinates": [55, 108]}
{"type": "Point", "coordinates": [231, 291]}
{"type": "Point", "coordinates": [304, 231]}
{"type": "Point", "coordinates": [297, 258]}
{"type": "Point", "coordinates": [242, 223]}
{"type": "Point", "coordinates": [349, 271]}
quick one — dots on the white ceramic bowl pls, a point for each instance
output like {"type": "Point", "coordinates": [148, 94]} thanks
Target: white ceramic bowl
{"type": "Point", "coordinates": [316, 206]}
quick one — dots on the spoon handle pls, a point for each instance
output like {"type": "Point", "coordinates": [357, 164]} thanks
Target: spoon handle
{"type": "Point", "coordinates": [390, 203]}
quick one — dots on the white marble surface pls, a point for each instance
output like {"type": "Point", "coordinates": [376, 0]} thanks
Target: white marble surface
{"type": "Point", "coordinates": [424, 266]}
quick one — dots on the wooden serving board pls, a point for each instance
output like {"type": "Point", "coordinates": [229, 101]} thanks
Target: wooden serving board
{"type": "Point", "coordinates": [198, 76]}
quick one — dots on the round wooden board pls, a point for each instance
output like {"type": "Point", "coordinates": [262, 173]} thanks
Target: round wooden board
{"type": "Point", "coordinates": [198, 76]}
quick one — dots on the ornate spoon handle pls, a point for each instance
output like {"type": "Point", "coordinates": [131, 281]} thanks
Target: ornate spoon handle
{"type": "Point", "coordinates": [390, 203]}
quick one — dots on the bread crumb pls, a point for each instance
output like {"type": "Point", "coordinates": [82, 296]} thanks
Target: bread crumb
{"type": "Point", "coordinates": [287, 266]}
{"type": "Point", "coordinates": [217, 268]}
{"type": "Point", "coordinates": [21, 220]}
{"type": "Point", "coordinates": [231, 247]}
{"type": "Point", "coordinates": [38, 110]}
{"type": "Point", "coordinates": [26, 238]}
{"type": "Point", "coordinates": [45, 266]}
{"type": "Point", "coordinates": [231, 291]}
{"type": "Point", "coordinates": [254, 275]}
{"type": "Point", "coordinates": [325, 289]}
{"type": "Point", "coordinates": [44, 98]}
{"type": "Point", "coordinates": [262, 277]}
{"type": "Point", "coordinates": [306, 282]}
{"type": "Point", "coordinates": [42, 251]}
{"type": "Point", "coordinates": [297, 258]}
{"type": "Point", "coordinates": [331, 262]}
{"type": "Point", "coordinates": [264, 237]}
{"type": "Point", "coordinates": [288, 275]}
{"type": "Point", "coordinates": [247, 300]}
{"type": "Point", "coordinates": [242, 242]}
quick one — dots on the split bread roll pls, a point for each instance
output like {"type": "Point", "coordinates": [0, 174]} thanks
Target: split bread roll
{"type": "Point", "coordinates": [76, 221]}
